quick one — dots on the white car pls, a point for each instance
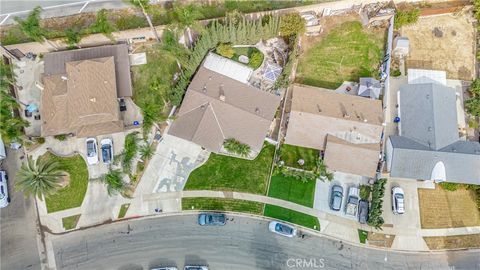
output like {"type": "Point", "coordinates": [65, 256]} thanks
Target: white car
{"type": "Point", "coordinates": [398, 200]}
{"type": "Point", "coordinates": [4, 198]}
{"type": "Point", "coordinates": [165, 268]}
{"type": "Point", "coordinates": [106, 145]}
{"type": "Point", "coordinates": [282, 229]}
{"type": "Point", "coordinates": [92, 151]}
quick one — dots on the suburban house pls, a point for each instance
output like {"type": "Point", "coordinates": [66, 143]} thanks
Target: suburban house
{"type": "Point", "coordinates": [429, 146]}
{"type": "Point", "coordinates": [81, 91]}
{"type": "Point", "coordinates": [347, 128]}
{"type": "Point", "coordinates": [221, 104]}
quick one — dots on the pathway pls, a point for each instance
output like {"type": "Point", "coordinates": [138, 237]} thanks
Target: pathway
{"type": "Point", "coordinates": [412, 239]}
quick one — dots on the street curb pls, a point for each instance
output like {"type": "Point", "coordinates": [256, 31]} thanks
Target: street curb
{"type": "Point", "coordinates": [311, 231]}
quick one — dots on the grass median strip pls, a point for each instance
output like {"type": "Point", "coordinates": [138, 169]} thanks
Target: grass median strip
{"type": "Point", "coordinates": [70, 222]}
{"type": "Point", "coordinates": [292, 216]}
{"type": "Point", "coordinates": [221, 204]}
{"type": "Point", "coordinates": [72, 195]}
{"type": "Point", "coordinates": [123, 210]}
{"type": "Point", "coordinates": [291, 189]}
{"type": "Point", "coordinates": [233, 174]}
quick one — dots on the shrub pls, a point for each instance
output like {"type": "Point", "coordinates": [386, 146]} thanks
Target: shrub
{"type": "Point", "coordinates": [40, 140]}
{"type": "Point", "coordinates": [256, 59]}
{"type": "Point", "coordinates": [130, 21]}
{"type": "Point", "coordinates": [129, 152]}
{"type": "Point", "coordinates": [301, 175]}
{"type": "Point", "coordinates": [396, 72]}
{"type": "Point", "coordinates": [292, 24]}
{"type": "Point", "coordinates": [375, 215]}
{"type": "Point", "coordinates": [450, 186]}
{"type": "Point", "coordinates": [61, 137]}
{"type": "Point", "coordinates": [476, 189]}
{"type": "Point", "coordinates": [226, 50]}
{"type": "Point", "coordinates": [406, 17]}
{"type": "Point", "coordinates": [236, 147]}
{"type": "Point", "coordinates": [365, 192]}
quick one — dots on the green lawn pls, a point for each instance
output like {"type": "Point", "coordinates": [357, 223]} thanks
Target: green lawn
{"type": "Point", "coordinates": [362, 236]}
{"type": "Point", "coordinates": [222, 205]}
{"type": "Point", "coordinates": [70, 222]}
{"type": "Point", "coordinates": [123, 210]}
{"type": "Point", "coordinates": [248, 51]}
{"type": "Point", "coordinates": [72, 195]}
{"type": "Point", "coordinates": [291, 189]}
{"type": "Point", "coordinates": [233, 174]}
{"type": "Point", "coordinates": [292, 216]}
{"type": "Point", "coordinates": [346, 53]}
{"type": "Point", "coordinates": [290, 154]}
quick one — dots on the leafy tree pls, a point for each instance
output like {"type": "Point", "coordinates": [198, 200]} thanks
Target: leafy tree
{"type": "Point", "coordinates": [72, 37]}
{"type": "Point", "coordinates": [226, 50]}
{"type": "Point", "coordinates": [31, 25]}
{"type": "Point", "coordinates": [146, 152]}
{"type": "Point", "coordinates": [11, 126]}
{"type": "Point", "coordinates": [473, 104]}
{"type": "Point", "coordinates": [406, 17]}
{"type": "Point", "coordinates": [186, 17]}
{"type": "Point", "coordinates": [375, 215]}
{"type": "Point", "coordinates": [144, 5]}
{"type": "Point", "coordinates": [292, 24]}
{"type": "Point", "coordinates": [114, 182]}
{"type": "Point", "coordinates": [129, 151]}
{"type": "Point", "coordinates": [39, 178]}
{"type": "Point", "coordinates": [102, 24]}
{"type": "Point", "coordinates": [236, 147]}
{"type": "Point", "coordinates": [321, 170]}
{"type": "Point", "coordinates": [256, 59]}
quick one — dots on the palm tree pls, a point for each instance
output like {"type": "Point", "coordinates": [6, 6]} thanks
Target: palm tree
{"type": "Point", "coordinates": [39, 178]}
{"type": "Point", "coordinates": [322, 170]}
{"type": "Point", "coordinates": [32, 29]}
{"type": "Point", "coordinates": [146, 152]}
{"type": "Point", "coordinates": [186, 18]}
{"type": "Point", "coordinates": [114, 181]}
{"type": "Point", "coordinates": [143, 4]}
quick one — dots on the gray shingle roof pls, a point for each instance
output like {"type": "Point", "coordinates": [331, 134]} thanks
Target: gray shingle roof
{"type": "Point", "coordinates": [429, 134]}
{"type": "Point", "coordinates": [428, 114]}
{"type": "Point", "coordinates": [411, 162]}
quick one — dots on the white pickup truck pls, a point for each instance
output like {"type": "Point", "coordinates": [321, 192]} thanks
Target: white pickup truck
{"type": "Point", "coordinates": [352, 202]}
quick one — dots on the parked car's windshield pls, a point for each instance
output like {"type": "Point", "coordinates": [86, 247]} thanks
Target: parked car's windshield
{"type": "Point", "coordinates": [284, 229]}
{"type": "Point", "coordinates": [90, 149]}
{"type": "Point", "coordinates": [399, 196]}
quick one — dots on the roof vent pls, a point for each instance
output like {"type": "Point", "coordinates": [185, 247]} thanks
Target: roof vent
{"type": "Point", "coordinates": [428, 96]}
{"type": "Point", "coordinates": [257, 110]}
{"type": "Point", "coordinates": [210, 78]}
{"type": "Point", "coordinates": [454, 150]}
{"type": "Point", "coordinates": [93, 100]}
{"type": "Point", "coordinates": [64, 78]}
{"type": "Point", "coordinates": [346, 115]}
{"type": "Point", "coordinates": [429, 128]}
{"type": "Point", "coordinates": [365, 120]}
{"type": "Point", "coordinates": [318, 108]}
{"type": "Point", "coordinates": [204, 90]}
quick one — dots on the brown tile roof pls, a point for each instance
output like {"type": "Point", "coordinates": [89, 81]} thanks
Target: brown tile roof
{"type": "Point", "coordinates": [55, 63]}
{"type": "Point", "coordinates": [244, 114]}
{"type": "Point", "coordinates": [82, 101]}
{"type": "Point", "coordinates": [318, 112]}
{"type": "Point", "coordinates": [359, 159]}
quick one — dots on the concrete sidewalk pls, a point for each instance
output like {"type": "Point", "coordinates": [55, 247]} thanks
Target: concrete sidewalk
{"type": "Point", "coordinates": [346, 229]}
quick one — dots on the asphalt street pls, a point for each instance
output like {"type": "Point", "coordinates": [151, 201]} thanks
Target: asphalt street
{"type": "Point", "coordinates": [18, 233]}
{"type": "Point", "coordinates": [244, 243]}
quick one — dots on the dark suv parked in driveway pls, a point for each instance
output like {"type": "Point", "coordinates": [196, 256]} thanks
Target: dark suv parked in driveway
{"type": "Point", "coordinates": [336, 198]}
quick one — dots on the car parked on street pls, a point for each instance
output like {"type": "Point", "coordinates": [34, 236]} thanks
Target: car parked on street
{"type": "Point", "coordinates": [92, 152]}
{"type": "Point", "coordinates": [212, 219]}
{"type": "Point", "coordinates": [196, 267]}
{"type": "Point", "coordinates": [336, 198]}
{"type": "Point", "coordinates": [282, 229]}
{"type": "Point", "coordinates": [165, 268]}
{"type": "Point", "coordinates": [352, 202]}
{"type": "Point", "coordinates": [4, 197]}
{"type": "Point", "coordinates": [398, 200]}
{"type": "Point", "coordinates": [107, 150]}
{"type": "Point", "coordinates": [363, 211]}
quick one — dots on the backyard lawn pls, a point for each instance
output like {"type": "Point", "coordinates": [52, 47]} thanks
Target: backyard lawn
{"type": "Point", "coordinates": [292, 216]}
{"type": "Point", "coordinates": [440, 208]}
{"type": "Point", "coordinates": [290, 154]}
{"type": "Point", "coordinates": [72, 195]}
{"type": "Point", "coordinates": [233, 174]}
{"type": "Point", "coordinates": [291, 189]}
{"type": "Point", "coordinates": [346, 53]}
{"type": "Point", "coordinates": [222, 205]}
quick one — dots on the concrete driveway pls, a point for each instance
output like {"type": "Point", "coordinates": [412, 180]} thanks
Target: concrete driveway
{"type": "Point", "coordinates": [322, 192]}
